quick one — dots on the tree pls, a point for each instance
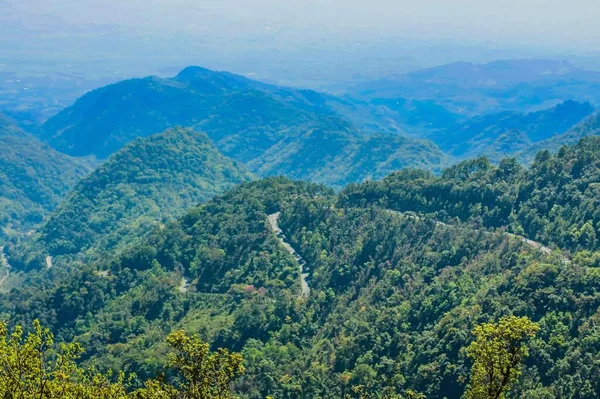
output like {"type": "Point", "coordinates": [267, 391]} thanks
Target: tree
{"type": "Point", "coordinates": [31, 368]}
{"type": "Point", "coordinates": [205, 375]}
{"type": "Point", "coordinates": [497, 352]}
{"type": "Point", "coordinates": [587, 236]}
{"type": "Point", "coordinates": [360, 392]}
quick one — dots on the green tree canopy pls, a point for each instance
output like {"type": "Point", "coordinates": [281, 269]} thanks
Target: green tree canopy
{"type": "Point", "coordinates": [497, 352]}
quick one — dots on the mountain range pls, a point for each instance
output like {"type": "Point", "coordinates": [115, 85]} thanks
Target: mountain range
{"type": "Point", "coordinates": [263, 126]}
{"type": "Point", "coordinates": [272, 130]}
{"type": "Point", "coordinates": [394, 227]}
{"type": "Point", "coordinates": [400, 271]}
{"type": "Point", "coordinates": [474, 89]}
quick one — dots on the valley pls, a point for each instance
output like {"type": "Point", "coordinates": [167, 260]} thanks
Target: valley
{"type": "Point", "coordinates": [333, 242]}
{"type": "Point", "coordinates": [321, 199]}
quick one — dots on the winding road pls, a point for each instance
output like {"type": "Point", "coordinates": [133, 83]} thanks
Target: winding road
{"type": "Point", "coordinates": [274, 223]}
{"type": "Point", "coordinates": [184, 286]}
{"type": "Point", "coordinates": [4, 264]}
{"type": "Point", "coordinates": [305, 289]}
{"type": "Point", "coordinates": [533, 244]}
{"type": "Point", "coordinates": [3, 261]}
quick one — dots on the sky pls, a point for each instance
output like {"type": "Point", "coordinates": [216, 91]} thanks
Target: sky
{"type": "Point", "coordinates": [292, 41]}
{"type": "Point", "coordinates": [570, 24]}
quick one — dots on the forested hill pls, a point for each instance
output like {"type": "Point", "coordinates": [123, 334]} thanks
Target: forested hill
{"type": "Point", "coordinates": [507, 133]}
{"type": "Point", "coordinates": [307, 135]}
{"type": "Point", "coordinates": [268, 128]}
{"type": "Point", "coordinates": [33, 178]}
{"type": "Point", "coordinates": [147, 182]}
{"type": "Point", "coordinates": [556, 200]}
{"type": "Point", "coordinates": [393, 298]}
{"type": "Point", "coordinates": [590, 126]}
{"type": "Point", "coordinates": [105, 119]}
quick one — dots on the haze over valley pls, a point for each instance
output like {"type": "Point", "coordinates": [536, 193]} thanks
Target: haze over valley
{"type": "Point", "coordinates": [304, 199]}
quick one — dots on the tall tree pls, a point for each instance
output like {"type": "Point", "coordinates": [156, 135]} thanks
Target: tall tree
{"type": "Point", "coordinates": [497, 352]}
{"type": "Point", "coordinates": [205, 375]}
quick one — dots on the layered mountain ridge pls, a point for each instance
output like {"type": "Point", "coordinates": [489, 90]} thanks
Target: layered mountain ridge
{"type": "Point", "coordinates": [143, 185]}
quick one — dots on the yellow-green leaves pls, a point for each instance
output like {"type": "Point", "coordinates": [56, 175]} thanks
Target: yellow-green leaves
{"type": "Point", "coordinates": [30, 367]}
{"type": "Point", "coordinates": [497, 353]}
{"type": "Point", "coordinates": [205, 374]}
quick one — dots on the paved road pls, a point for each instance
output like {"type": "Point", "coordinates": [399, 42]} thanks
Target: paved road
{"type": "Point", "coordinates": [274, 222]}
{"type": "Point", "coordinates": [533, 244]}
{"type": "Point", "coordinates": [184, 286]}
{"type": "Point", "coordinates": [5, 277]}
{"type": "Point", "coordinates": [4, 264]}
{"type": "Point", "coordinates": [305, 291]}
{"type": "Point", "coordinates": [3, 261]}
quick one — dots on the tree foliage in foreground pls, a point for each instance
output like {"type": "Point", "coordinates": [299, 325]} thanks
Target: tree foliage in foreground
{"type": "Point", "coordinates": [393, 298]}
{"type": "Point", "coordinates": [31, 367]}
{"type": "Point", "coordinates": [498, 352]}
{"type": "Point", "coordinates": [205, 375]}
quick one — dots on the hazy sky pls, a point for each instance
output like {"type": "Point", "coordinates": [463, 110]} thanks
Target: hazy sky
{"type": "Point", "coordinates": [296, 42]}
{"type": "Point", "coordinates": [569, 24]}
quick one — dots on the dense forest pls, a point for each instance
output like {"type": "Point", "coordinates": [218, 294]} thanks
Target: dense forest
{"type": "Point", "coordinates": [555, 200]}
{"type": "Point", "coordinates": [143, 185]}
{"type": "Point", "coordinates": [508, 133]}
{"type": "Point", "coordinates": [33, 178]}
{"type": "Point", "coordinates": [358, 200]}
{"type": "Point", "coordinates": [272, 130]}
{"type": "Point", "coordinates": [31, 365]}
{"type": "Point", "coordinates": [401, 271]}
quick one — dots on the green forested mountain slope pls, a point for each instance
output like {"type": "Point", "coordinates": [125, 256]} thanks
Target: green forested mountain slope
{"type": "Point", "coordinates": [274, 130]}
{"type": "Point", "coordinates": [504, 134]}
{"type": "Point", "coordinates": [222, 104]}
{"type": "Point", "coordinates": [588, 127]}
{"type": "Point", "coordinates": [147, 182]}
{"type": "Point", "coordinates": [556, 200]}
{"type": "Point", "coordinates": [239, 274]}
{"type": "Point", "coordinates": [337, 154]}
{"type": "Point", "coordinates": [260, 125]}
{"type": "Point", "coordinates": [393, 298]}
{"type": "Point", "coordinates": [33, 178]}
